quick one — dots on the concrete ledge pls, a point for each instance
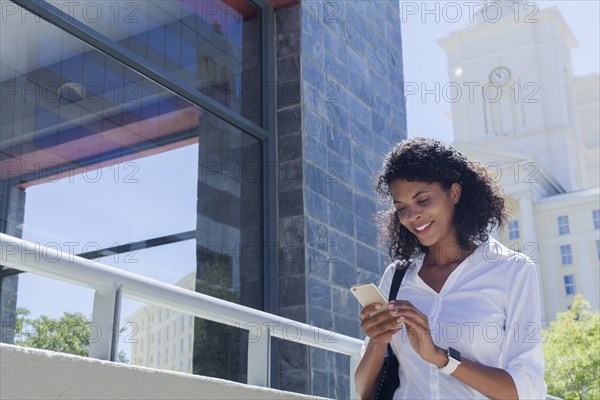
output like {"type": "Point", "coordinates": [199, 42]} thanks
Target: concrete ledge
{"type": "Point", "coordinates": [40, 374]}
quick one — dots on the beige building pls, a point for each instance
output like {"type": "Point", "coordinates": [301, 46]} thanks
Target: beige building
{"type": "Point", "coordinates": [518, 108]}
{"type": "Point", "coordinates": [164, 338]}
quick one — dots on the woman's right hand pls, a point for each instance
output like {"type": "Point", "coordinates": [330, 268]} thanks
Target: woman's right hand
{"type": "Point", "coordinates": [379, 327]}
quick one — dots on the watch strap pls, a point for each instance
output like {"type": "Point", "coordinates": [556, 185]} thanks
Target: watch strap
{"type": "Point", "coordinates": [453, 361]}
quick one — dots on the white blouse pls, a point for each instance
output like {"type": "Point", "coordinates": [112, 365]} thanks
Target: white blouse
{"type": "Point", "coordinates": [488, 309]}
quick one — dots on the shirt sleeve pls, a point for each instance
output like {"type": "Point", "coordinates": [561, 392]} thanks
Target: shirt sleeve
{"type": "Point", "coordinates": [384, 285]}
{"type": "Point", "coordinates": [522, 351]}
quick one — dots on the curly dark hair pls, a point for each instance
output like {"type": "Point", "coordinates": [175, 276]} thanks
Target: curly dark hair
{"type": "Point", "coordinates": [481, 206]}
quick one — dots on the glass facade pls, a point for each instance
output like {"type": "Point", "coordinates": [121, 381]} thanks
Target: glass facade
{"type": "Point", "coordinates": [213, 46]}
{"type": "Point", "coordinates": [99, 161]}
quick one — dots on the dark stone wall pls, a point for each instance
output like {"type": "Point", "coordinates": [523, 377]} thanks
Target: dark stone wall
{"type": "Point", "coordinates": [12, 207]}
{"type": "Point", "coordinates": [346, 58]}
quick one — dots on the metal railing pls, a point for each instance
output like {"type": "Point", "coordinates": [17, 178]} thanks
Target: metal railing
{"type": "Point", "coordinates": [111, 284]}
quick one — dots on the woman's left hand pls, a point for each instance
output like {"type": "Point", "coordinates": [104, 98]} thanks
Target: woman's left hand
{"type": "Point", "coordinates": [417, 329]}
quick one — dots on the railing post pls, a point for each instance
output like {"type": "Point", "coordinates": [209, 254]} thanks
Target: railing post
{"type": "Point", "coordinates": [259, 358]}
{"type": "Point", "coordinates": [353, 365]}
{"type": "Point", "coordinates": [104, 328]}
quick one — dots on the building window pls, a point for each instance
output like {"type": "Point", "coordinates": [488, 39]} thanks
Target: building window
{"type": "Point", "coordinates": [167, 355]}
{"type": "Point", "coordinates": [598, 249]}
{"type": "Point", "coordinates": [190, 342]}
{"type": "Point", "coordinates": [513, 230]}
{"type": "Point", "coordinates": [167, 332]}
{"type": "Point", "coordinates": [181, 346]}
{"type": "Point", "coordinates": [182, 323]}
{"type": "Point", "coordinates": [158, 337]}
{"type": "Point", "coordinates": [143, 128]}
{"type": "Point", "coordinates": [566, 254]}
{"type": "Point", "coordinates": [563, 225]}
{"type": "Point", "coordinates": [158, 359]}
{"type": "Point", "coordinates": [570, 284]}
{"type": "Point", "coordinates": [596, 214]}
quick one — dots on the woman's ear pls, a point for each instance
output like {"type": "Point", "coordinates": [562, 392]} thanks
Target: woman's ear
{"type": "Point", "coordinates": [455, 192]}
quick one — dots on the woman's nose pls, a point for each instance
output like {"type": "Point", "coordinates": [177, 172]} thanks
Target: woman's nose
{"type": "Point", "coordinates": [413, 213]}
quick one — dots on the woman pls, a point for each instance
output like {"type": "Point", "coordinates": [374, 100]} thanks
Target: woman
{"type": "Point", "coordinates": [469, 305]}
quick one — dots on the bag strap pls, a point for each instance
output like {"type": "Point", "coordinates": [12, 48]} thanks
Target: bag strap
{"type": "Point", "coordinates": [398, 276]}
{"type": "Point", "coordinates": [396, 281]}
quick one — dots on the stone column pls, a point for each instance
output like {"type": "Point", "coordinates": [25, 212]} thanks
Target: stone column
{"type": "Point", "coordinates": [529, 236]}
{"type": "Point", "coordinates": [12, 207]}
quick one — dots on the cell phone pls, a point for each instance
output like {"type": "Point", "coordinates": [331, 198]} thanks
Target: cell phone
{"type": "Point", "coordinates": [368, 294]}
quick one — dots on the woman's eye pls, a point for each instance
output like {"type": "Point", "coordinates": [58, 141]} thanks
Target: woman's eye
{"type": "Point", "coordinates": [422, 201]}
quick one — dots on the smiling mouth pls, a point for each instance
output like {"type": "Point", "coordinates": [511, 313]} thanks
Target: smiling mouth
{"type": "Point", "coordinates": [424, 228]}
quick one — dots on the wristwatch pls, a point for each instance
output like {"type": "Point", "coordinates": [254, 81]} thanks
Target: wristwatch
{"type": "Point", "coordinates": [453, 361]}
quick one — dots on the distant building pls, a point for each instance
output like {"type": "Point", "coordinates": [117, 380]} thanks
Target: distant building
{"type": "Point", "coordinates": [163, 339]}
{"type": "Point", "coordinates": [537, 127]}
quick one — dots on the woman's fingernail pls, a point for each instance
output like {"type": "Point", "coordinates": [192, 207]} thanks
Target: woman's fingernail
{"type": "Point", "coordinates": [377, 306]}
{"type": "Point", "coordinates": [395, 312]}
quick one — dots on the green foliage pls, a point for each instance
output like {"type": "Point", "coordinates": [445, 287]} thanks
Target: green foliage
{"type": "Point", "coordinates": [572, 353]}
{"type": "Point", "coordinates": [69, 334]}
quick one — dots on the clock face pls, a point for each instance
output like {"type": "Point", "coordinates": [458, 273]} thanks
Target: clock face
{"type": "Point", "coordinates": [500, 76]}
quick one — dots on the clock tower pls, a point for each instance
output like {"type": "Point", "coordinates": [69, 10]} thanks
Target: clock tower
{"type": "Point", "coordinates": [511, 74]}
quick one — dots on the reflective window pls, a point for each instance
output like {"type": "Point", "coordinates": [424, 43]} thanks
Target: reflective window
{"type": "Point", "coordinates": [98, 161]}
{"type": "Point", "coordinates": [213, 46]}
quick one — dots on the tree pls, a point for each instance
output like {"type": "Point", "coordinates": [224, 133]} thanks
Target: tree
{"type": "Point", "coordinates": [69, 334]}
{"type": "Point", "coordinates": [572, 353]}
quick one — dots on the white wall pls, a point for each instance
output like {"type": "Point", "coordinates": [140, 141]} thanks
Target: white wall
{"type": "Point", "coordinates": [39, 374]}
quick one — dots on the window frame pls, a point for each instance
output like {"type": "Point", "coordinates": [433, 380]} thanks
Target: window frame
{"type": "Point", "coordinates": [513, 230]}
{"type": "Point", "coordinates": [566, 256]}
{"type": "Point", "coordinates": [265, 134]}
{"type": "Point", "coordinates": [563, 225]}
{"type": "Point", "coordinates": [570, 285]}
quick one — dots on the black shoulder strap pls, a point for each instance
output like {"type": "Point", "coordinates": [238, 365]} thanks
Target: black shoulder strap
{"type": "Point", "coordinates": [396, 281]}
{"type": "Point", "coordinates": [398, 276]}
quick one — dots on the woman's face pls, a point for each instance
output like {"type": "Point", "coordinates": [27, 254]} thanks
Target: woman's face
{"type": "Point", "coordinates": [426, 210]}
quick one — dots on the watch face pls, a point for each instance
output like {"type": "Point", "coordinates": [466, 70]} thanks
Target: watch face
{"type": "Point", "coordinates": [454, 353]}
{"type": "Point", "coordinates": [500, 75]}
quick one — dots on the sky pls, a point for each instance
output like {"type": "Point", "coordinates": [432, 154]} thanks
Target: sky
{"type": "Point", "coordinates": [420, 33]}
